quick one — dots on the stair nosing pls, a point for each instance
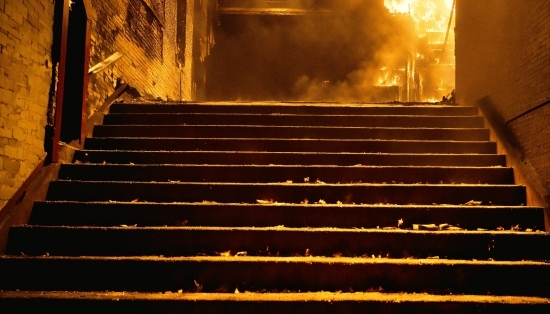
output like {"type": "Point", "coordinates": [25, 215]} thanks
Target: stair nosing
{"type": "Point", "coordinates": [333, 230]}
{"type": "Point", "coordinates": [289, 260]}
{"type": "Point", "coordinates": [325, 297]}
{"type": "Point", "coordinates": [214, 204]}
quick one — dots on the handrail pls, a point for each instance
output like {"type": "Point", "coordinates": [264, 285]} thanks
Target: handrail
{"type": "Point", "coordinates": [544, 103]}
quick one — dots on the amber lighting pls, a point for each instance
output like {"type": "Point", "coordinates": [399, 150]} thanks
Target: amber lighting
{"type": "Point", "coordinates": [429, 71]}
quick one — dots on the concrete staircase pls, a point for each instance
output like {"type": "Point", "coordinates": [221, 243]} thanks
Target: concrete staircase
{"type": "Point", "coordinates": [282, 208]}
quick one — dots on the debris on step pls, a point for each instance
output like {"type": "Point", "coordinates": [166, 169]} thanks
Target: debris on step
{"type": "Point", "coordinates": [473, 203]}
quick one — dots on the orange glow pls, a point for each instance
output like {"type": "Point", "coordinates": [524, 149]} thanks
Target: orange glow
{"type": "Point", "coordinates": [433, 60]}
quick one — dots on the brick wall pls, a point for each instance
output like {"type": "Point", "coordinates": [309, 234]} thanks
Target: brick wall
{"type": "Point", "coordinates": [25, 78]}
{"type": "Point", "coordinates": [503, 57]}
{"type": "Point", "coordinates": [145, 33]}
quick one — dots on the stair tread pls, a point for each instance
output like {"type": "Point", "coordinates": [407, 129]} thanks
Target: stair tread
{"type": "Point", "coordinates": [344, 261]}
{"type": "Point", "coordinates": [285, 297]}
{"type": "Point", "coordinates": [279, 205]}
{"type": "Point", "coordinates": [280, 241]}
{"type": "Point", "coordinates": [248, 157]}
{"type": "Point", "coordinates": [282, 229]}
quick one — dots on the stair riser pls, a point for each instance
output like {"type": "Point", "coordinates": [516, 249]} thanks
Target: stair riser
{"type": "Point", "coordinates": [291, 132]}
{"type": "Point", "coordinates": [181, 242]}
{"type": "Point", "coordinates": [297, 109]}
{"type": "Point", "coordinates": [283, 174]}
{"type": "Point", "coordinates": [226, 275]}
{"type": "Point", "coordinates": [94, 214]}
{"type": "Point", "coordinates": [161, 305]}
{"type": "Point", "coordinates": [291, 145]}
{"type": "Point", "coordinates": [289, 193]}
{"type": "Point", "coordinates": [295, 120]}
{"type": "Point", "coordinates": [266, 158]}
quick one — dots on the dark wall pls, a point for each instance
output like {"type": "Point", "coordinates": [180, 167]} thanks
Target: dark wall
{"type": "Point", "coordinates": [503, 65]}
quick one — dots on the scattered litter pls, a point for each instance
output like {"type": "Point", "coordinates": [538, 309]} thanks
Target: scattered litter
{"type": "Point", "coordinates": [481, 229]}
{"type": "Point", "coordinates": [198, 286]}
{"type": "Point", "coordinates": [500, 228]}
{"type": "Point", "coordinates": [135, 201]}
{"type": "Point", "coordinates": [434, 227]}
{"type": "Point", "coordinates": [389, 228]}
{"type": "Point", "coordinates": [289, 181]}
{"type": "Point", "coordinates": [237, 290]}
{"type": "Point", "coordinates": [321, 202]}
{"type": "Point", "coordinates": [264, 201]}
{"type": "Point", "coordinates": [399, 223]}
{"type": "Point", "coordinates": [319, 182]}
{"type": "Point", "coordinates": [473, 203]}
{"type": "Point", "coordinates": [430, 227]}
{"type": "Point", "coordinates": [306, 180]}
{"type": "Point", "coordinates": [305, 201]}
{"type": "Point", "coordinates": [308, 253]}
{"type": "Point", "coordinates": [433, 257]}
{"type": "Point", "coordinates": [515, 228]}
{"type": "Point", "coordinates": [227, 253]}
{"type": "Point", "coordinates": [244, 253]}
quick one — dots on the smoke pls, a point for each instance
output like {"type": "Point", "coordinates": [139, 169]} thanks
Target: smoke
{"type": "Point", "coordinates": [316, 57]}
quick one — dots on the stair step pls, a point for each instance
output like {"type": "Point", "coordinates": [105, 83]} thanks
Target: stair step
{"type": "Point", "coordinates": [296, 108]}
{"type": "Point", "coordinates": [276, 241]}
{"type": "Point", "coordinates": [279, 173]}
{"type": "Point", "coordinates": [290, 145]}
{"type": "Point", "coordinates": [225, 274]}
{"type": "Point", "coordinates": [312, 302]}
{"type": "Point", "coordinates": [293, 120]}
{"type": "Point", "coordinates": [251, 131]}
{"type": "Point", "coordinates": [402, 194]}
{"type": "Point", "coordinates": [288, 158]}
{"type": "Point", "coordinates": [67, 213]}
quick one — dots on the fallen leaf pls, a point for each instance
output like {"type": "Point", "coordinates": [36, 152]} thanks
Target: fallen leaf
{"type": "Point", "coordinates": [430, 227]}
{"type": "Point", "coordinates": [473, 203]}
{"type": "Point", "coordinates": [399, 223]}
{"type": "Point", "coordinates": [264, 202]}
